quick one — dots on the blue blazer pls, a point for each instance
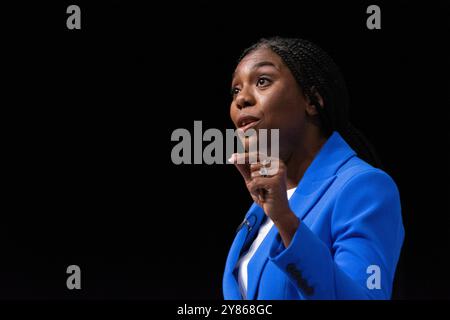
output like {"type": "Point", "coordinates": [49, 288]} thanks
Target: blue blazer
{"type": "Point", "coordinates": [348, 242]}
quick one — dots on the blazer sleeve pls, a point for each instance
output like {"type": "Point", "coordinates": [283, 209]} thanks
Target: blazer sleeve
{"type": "Point", "coordinates": [366, 238]}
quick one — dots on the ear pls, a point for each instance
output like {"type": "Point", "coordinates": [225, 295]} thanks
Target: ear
{"type": "Point", "coordinates": [311, 109]}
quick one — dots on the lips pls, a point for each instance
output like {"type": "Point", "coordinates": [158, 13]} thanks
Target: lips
{"type": "Point", "coordinates": [246, 122]}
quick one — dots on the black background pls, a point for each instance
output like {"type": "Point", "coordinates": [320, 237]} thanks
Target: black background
{"type": "Point", "coordinates": [87, 117]}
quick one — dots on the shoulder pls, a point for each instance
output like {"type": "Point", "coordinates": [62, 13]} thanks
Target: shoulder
{"type": "Point", "coordinates": [366, 199]}
{"type": "Point", "coordinates": [357, 176]}
{"type": "Point", "coordinates": [356, 171]}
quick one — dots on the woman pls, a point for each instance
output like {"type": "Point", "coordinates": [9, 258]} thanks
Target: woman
{"type": "Point", "coordinates": [326, 224]}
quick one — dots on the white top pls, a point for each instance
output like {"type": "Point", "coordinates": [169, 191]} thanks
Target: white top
{"type": "Point", "coordinates": [245, 258]}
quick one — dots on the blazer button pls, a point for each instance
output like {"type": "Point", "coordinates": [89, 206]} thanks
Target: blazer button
{"type": "Point", "coordinates": [301, 282]}
{"type": "Point", "coordinates": [304, 286]}
{"type": "Point", "coordinates": [309, 291]}
{"type": "Point", "coordinates": [291, 268]}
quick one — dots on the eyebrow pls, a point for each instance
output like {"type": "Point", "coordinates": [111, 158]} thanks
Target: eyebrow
{"type": "Point", "coordinates": [264, 63]}
{"type": "Point", "coordinates": [259, 65]}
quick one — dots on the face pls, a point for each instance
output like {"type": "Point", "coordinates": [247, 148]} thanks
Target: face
{"type": "Point", "coordinates": [267, 96]}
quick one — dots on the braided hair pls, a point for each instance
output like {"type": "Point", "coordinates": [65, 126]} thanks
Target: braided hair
{"type": "Point", "coordinates": [317, 74]}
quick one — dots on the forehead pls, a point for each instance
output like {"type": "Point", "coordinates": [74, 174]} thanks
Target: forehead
{"type": "Point", "coordinates": [259, 57]}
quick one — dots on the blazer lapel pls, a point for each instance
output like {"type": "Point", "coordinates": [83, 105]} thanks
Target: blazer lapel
{"type": "Point", "coordinates": [304, 200]}
{"type": "Point", "coordinates": [246, 232]}
{"type": "Point", "coordinates": [257, 263]}
{"type": "Point", "coordinates": [230, 285]}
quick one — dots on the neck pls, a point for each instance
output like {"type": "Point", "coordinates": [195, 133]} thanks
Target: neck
{"type": "Point", "coordinates": [301, 157]}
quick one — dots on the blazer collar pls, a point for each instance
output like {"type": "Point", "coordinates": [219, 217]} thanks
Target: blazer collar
{"type": "Point", "coordinates": [333, 154]}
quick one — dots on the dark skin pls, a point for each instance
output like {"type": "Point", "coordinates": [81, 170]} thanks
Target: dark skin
{"type": "Point", "coordinates": [263, 87]}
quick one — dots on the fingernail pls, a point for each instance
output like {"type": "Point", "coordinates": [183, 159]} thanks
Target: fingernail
{"type": "Point", "coordinates": [232, 159]}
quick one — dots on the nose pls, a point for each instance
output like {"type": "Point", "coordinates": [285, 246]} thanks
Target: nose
{"type": "Point", "coordinates": [244, 100]}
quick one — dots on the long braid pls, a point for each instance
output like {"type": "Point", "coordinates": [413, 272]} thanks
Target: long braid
{"type": "Point", "coordinates": [317, 74]}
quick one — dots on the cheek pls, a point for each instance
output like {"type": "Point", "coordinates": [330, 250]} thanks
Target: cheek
{"type": "Point", "coordinates": [282, 109]}
{"type": "Point", "coordinates": [232, 112]}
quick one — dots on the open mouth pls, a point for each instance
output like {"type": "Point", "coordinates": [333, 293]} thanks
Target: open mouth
{"type": "Point", "coordinates": [246, 122]}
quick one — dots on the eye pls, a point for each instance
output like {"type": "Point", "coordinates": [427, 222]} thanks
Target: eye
{"type": "Point", "coordinates": [234, 91]}
{"type": "Point", "coordinates": [263, 82]}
